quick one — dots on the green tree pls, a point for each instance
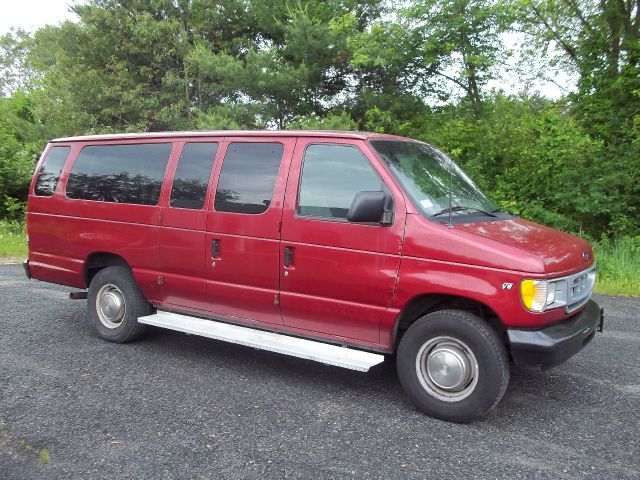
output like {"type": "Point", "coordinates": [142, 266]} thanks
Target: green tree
{"type": "Point", "coordinates": [18, 152]}
{"type": "Point", "coordinates": [124, 63]}
{"type": "Point", "coordinates": [417, 69]}
{"type": "Point", "coordinates": [14, 70]}
{"type": "Point", "coordinates": [601, 42]}
{"type": "Point", "coordinates": [298, 65]}
{"type": "Point", "coordinates": [436, 48]}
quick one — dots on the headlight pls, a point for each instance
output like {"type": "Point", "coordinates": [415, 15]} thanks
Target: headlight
{"type": "Point", "coordinates": [540, 295]}
{"type": "Point", "coordinates": [534, 294]}
{"type": "Point", "coordinates": [551, 294]}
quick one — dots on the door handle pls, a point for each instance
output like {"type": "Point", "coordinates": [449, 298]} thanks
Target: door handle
{"type": "Point", "coordinates": [215, 248]}
{"type": "Point", "coordinates": [288, 256]}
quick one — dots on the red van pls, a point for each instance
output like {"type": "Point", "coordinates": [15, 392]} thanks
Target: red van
{"type": "Point", "coordinates": [338, 247]}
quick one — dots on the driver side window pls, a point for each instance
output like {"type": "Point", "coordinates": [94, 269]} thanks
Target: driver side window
{"type": "Point", "coordinates": [331, 176]}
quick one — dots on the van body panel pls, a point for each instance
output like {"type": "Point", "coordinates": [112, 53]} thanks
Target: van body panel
{"type": "Point", "coordinates": [437, 241]}
{"type": "Point", "coordinates": [560, 252]}
{"type": "Point", "coordinates": [242, 277]}
{"type": "Point", "coordinates": [56, 269]}
{"type": "Point", "coordinates": [342, 275]}
{"type": "Point", "coordinates": [182, 242]}
{"type": "Point", "coordinates": [330, 134]}
{"type": "Point", "coordinates": [457, 261]}
{"type": "Point", "coordinates": [243, 290]}
{"type": "Point", "coordinates": [71, 230]}
{"type": "Point", "coordinates": [182, 260]}
{"type": "Point", "coordinates": [67, 243]}
{"type": "Point", "coordinates": [420, 276]}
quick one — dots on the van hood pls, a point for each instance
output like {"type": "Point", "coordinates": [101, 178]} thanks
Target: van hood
{"type": "Point", "coordinates": [560, 252]}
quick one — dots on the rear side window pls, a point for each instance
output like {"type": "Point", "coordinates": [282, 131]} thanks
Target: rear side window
{"type": "Point", "coordinates": [192, 175]}
{"type": "Point", "coordinates": [331, 176]}
{"type": "Point", "coordinates": [248, 176]}
{"type": "Point", "coordinates": [50, 171]}
{"type": "Point", "coordinates": [119, 173]}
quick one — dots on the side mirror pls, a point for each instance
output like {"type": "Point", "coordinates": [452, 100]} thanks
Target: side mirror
{"type": "Point", "coordinates": [368, 207]}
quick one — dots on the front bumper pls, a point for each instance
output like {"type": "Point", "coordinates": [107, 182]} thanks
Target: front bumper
{"type": "Point", "coordinates": [554, 345]}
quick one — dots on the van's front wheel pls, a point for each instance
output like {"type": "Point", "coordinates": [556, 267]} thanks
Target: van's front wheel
{"type": "Point", "coordinates": [453, 365]}
{"type": "Point", "coordinates": [115, 303]}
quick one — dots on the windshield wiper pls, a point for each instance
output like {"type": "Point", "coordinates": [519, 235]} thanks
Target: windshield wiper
{"type": "Point", "coordinates": [460, 208]}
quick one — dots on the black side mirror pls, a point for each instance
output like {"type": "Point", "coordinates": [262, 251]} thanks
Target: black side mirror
{"type": "Point", "coordinates": [368, 207]}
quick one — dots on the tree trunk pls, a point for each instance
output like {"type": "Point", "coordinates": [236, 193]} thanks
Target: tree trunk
{"type": "Point", "coordinates": [614, 19]}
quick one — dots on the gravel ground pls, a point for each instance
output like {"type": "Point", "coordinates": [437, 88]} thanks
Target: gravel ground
{"type": "Point", "coordinates": [178, 406]}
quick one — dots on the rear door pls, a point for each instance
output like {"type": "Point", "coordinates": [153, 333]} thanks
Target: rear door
{"type": "Point", "coordinates": [339, 277]}
{"type": "Point", "coordinates": [243, 230]}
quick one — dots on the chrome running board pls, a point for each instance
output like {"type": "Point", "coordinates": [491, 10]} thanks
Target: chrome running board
{"type": "Point", "coordinates": [273, 342]}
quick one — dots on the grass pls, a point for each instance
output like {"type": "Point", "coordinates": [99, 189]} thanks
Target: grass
{"type": "Point", "coordinates": [618, 266]}
{"type": "Point", "coordinates": [13, 243]}
{"type": "Point", "coordinates": [9, 443]}
{"type": "Point", "coordinates": [44, 456]}
{"type": "Point", "coordinates": [618, 261]}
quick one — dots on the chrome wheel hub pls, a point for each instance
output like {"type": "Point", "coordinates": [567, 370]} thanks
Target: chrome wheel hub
{"type": "Point", "coordinates": [110, 306]}
{"type": "Point", "coordinates": [447, 368]}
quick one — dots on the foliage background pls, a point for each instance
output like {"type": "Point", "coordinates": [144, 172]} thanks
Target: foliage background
{"type": "Point", "coordinates": [420, 69]}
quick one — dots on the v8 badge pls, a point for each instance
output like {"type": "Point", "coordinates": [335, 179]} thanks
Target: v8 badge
{"type": "Point", "coordinates": [507, 286]}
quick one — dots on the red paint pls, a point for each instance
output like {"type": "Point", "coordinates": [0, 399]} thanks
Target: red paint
{"type": "Point", "coordinates": [347, 282]}
{"type": "Point", "coordinates": [560, 252]}
{"type": "Point", "coordinates": [343, 275]}
{"type": "Point", "coordinates": [244, 281]}
{"type": "Point", "coordinates": [181, 247]}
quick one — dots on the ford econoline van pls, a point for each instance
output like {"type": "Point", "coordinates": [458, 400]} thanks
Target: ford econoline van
{"type": "Point", "coordinates": [338, 247]}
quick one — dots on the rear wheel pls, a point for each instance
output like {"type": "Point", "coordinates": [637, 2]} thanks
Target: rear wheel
{"type": "Point", "coordinates": [115, 303]}
{"type": "Point", "coordinates": [453, 365]}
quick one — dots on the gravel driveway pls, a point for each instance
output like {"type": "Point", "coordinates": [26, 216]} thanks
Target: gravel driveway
{"type": "Point", "coordinates": [178, 406]}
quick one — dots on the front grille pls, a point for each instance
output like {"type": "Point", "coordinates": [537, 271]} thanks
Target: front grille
{"type": "Point", "coordinates": [579, 288]}
{"type": "Point", "coordinates": [579, 285]}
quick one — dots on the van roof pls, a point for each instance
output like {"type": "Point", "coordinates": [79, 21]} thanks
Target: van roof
{"type": "Point", "coordinates": [229, 133]}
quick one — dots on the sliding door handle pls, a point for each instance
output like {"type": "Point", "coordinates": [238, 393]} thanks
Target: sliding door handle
{"type": "Point", "coordinates": [288, 256]}
{"type": "Point", "coordinates": [215, 248]}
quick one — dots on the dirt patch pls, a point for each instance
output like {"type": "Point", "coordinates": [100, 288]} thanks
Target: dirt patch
{"type": "Point", "coordinates": [10, 260]}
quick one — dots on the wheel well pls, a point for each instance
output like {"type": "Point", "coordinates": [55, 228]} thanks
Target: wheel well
{"type": "Point", "coordinates": [99, 260]}
{"type": "Point", "coordinates": [426, 304]}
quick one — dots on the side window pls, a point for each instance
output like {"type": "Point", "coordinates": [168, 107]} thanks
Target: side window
{"type": "Point", "coordinates": [192, 175]}
{"type": "Point", "coordinates": [50, 171]}
{"type": "Point", "coordinates": [331, 176]}
{"type": "Point", "coordinates": [248, 177]}
{"type": "Point", "coordinates": [130, 173]}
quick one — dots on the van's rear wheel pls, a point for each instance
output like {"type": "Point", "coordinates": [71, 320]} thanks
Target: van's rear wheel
{"type": "Point", "coordinates": [115, 303]}
{"type": "Point", "coordinates": [453, 365]}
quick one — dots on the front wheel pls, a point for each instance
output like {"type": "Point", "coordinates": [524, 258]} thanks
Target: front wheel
{"type": "Point", "coordinates": [115, 303]}
{"type": "Point", "coordinates": [453, 365]}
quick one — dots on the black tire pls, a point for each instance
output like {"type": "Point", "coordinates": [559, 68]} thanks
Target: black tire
{"type": "Point", "coordinates": [431, 340]}
{"type": "Point", "coordinates": [117, 283]}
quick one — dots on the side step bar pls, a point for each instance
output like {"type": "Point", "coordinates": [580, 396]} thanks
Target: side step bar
{"type": "Point", "coordinates": [273, 342]}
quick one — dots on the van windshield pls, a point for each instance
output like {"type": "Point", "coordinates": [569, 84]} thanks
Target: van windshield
{"type": "Point", "coordinates": [427, 174]}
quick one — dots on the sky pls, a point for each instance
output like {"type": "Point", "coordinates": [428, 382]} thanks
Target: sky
{"type": "Point", "coordinates": [32, 14]}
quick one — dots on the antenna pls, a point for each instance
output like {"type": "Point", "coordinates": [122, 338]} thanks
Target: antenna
{"type": "Point", "coordinates": [450, 188]}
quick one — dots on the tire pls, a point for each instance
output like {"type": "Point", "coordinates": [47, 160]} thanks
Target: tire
{"type": "Point", "coordinates": [453, 365]}
{"type": "Point", "coordinates": [115, 303]}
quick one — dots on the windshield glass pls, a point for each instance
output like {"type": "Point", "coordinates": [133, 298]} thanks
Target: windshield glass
{"type": "Point", "coordinates": [426, 174]}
